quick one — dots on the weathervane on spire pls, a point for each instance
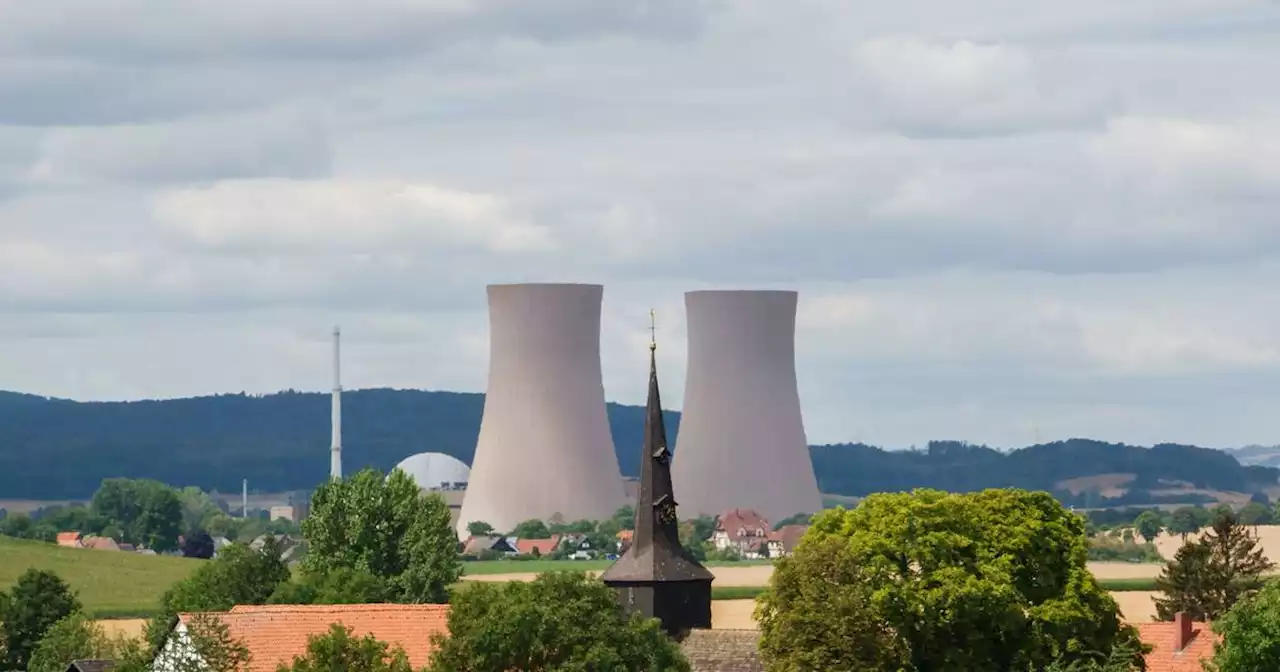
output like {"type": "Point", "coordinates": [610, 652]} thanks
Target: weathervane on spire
{"type": "Point", "coordinates": [653, 329]}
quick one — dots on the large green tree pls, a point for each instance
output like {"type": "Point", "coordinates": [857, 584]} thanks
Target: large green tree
{"type": "Point", "coordinates": [239, 575]}
{"type": "Point", "coordinates": [560, 621]}
{"type": "Point", "coordinates": [340, 585]}
{"type": "Point", "coordinates": [387, 527]}
{"type": "Point", "coordinates": [340, 649]}
{"type": "Point", "coordinates": [36, 602]}
{"type": "Point", "coordinates": [1209, 575]}
{"type": "Point", "coordinates": [993, 580]}
{"type": "Point", "coordinates": [1149, 525]}
{"type": "Point", "coordinates": [146, 512]}
{"type": "Point", "coordinates": [1250, 633]}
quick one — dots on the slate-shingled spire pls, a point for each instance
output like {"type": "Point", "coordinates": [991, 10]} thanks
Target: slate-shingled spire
{"type": "Point", "coordinates": [657, 577]}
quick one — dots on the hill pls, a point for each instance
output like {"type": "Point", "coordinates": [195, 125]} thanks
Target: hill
{"type": "Point", "coordinates": [61, 449]}
{"type": "Point", "coordinates": [108, 583]}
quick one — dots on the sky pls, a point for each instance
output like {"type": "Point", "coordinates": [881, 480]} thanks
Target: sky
{"type": "Point", "coordinates": [1008, 221]}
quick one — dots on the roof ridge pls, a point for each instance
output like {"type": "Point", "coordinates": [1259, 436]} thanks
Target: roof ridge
{"type": "Point", "coordinates": [371, 606]}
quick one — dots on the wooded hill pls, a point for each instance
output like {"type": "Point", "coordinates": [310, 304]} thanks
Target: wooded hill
{"type": "Point", "coordinates": [61, 449]}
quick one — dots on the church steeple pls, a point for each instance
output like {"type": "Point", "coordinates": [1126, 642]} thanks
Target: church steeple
{"type": "Point", "coordinates": [656, 576]}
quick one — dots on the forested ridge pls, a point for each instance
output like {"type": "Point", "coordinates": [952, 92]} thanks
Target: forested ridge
{"type": "Point", "coordinates": [56, 449]}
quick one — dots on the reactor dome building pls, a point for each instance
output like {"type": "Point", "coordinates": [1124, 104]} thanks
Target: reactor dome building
{"type": "Point", "coordinates": [544, 447]}
{"type": "Point", "coordinates": [436, 471]}
{"type": "Point", "coordinates": [741, 442]}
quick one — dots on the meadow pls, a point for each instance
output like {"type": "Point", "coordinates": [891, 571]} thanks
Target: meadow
{"type": "Point", "coordinates": [108, 583]}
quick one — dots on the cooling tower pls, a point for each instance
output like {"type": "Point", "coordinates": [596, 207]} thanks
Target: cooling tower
{"type": "Point", "coordinates": [544, 445]}
{"type": "Point", "coordinates": [741, 440]}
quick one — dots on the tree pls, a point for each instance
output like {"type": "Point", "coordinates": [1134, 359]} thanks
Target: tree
{"type": "Point", "coordinates": [625, 517]}
{"type": "Point", "coordinates": [532, 529]}
{"type": "Point", "coordinates": [38, 600]}
{"type": "Point", "coordinates": [1003, 571]}
{"type": "Point", "coordinates": [339, 649]}
{"type": "Point", "coordinates": [1250, 633]}
{"type": "Point", "coordinates": [239, 575]}
{"type": "Point", "coordinates": [340, 585]}
{"type": "Point", "coordinates": [146, 512]}
{"type": "Point", "coordinates": [1254, 514]}
{"type": "Point", "coordinates": [72, 638]}
{"type": "Point", "coordinates": [1185, 521]}
{"type": "Point", "coordinates": [387, 527]}
{"type": "Point", "coordinates": [1148, 525]}
{"type": "Point", "coordinates": [559, 621]}
{"type": "Point", "coordinates": [198, 544]}
{"type": "Point", "coordinates": [1206, 577]}
{"type": "Point", "coordinates": [198, 509]}
{"type": "Point", "coordinates": [818, 615]}
{"type": "Point", "coordinates": [479, 528]}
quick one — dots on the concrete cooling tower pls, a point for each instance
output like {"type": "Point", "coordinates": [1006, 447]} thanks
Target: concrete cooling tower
{"type": "Point", "coordinates": [741, 441]}
{"type": "Point", "coordinates": [544, 445]}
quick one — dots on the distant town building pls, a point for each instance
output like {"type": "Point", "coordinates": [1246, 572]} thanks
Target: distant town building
{"type": "Point", "coordinates": [742, 530]}
{"type": "Point", "coordinates": [285, 512]}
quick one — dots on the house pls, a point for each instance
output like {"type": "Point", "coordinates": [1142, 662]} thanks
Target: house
{"type": "Point", "coordinates": [742, 530]}
{"type": "Point", "coordinates": [278, 512]}
{"type": "Point", "coordinates": [1177, 646]}
{"type": "Point", "coordinates": [477, 545]}
{"type": "Point", "coordinates": [579, 547]}
{"type": "Point", "coordinates": [275, 633]}
{"type": "Point", "coordinates": [543, 547]}
{"type": "Point", "coordinates": [90, 665]}
{"type": "Point", "coordinates": [70, 540]}
{"type": "Point", "coordinates": [782, 541]}
{"type": "Point", "coordinates": [100, 543]}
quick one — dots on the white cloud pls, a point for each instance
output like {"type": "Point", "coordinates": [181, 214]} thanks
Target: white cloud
{"type": "Point", "coordinates": [349, 217]}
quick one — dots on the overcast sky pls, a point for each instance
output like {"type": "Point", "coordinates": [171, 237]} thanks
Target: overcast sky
{"type": "Point", "coordinates": [1008, 220]}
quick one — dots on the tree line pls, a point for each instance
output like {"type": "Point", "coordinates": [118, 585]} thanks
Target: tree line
{"type": "Point", "coordinates": [280, 442]}
{"type": "Point", "coordinates": [146, 514]}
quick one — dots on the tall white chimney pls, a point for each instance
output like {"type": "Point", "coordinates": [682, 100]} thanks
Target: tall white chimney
{"type": "Point", "coordinates": [335, 452]}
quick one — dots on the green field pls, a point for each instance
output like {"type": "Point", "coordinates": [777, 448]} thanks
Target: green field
{"type": "Point", "coordinates": [482, 567]}
{"type": "Point", "coordinates": [109, 584]}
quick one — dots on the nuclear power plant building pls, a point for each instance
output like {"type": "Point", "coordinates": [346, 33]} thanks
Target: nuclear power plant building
{"type": "Point", "coordinates": [741, 441]}
{"type": "Point", "coordinates": [545, 447]}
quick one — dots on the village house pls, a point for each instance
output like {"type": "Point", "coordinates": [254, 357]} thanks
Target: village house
{"type": "Point", "coordinates": [741, 530]}
{"type": "Point", "coordinates": [478, 545]}
{"type": "Point", "coordinates": [542, 548]}
{"type": "Point", "coordinates": [70, 540]}
{"type": "Point", "coordinates": [782, 541]}
{"type": "Point", "coordinates": [1177, 646]}
{"type": "Point", "coordinates": [275, 634]}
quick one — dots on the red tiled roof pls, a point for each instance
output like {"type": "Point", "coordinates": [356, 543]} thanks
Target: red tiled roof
{"type": "Point", "coordinates": [275, 633]}
{"type": "Point", "coordinates": [68, 538]}
{"type": "Point", "coordinates": [742, 519]}
{"type": "Point", "coordinates": [625, 535]}
{"type": "Point", "coordinates": [788, 536]}
{"type": "Point", "coordinates": [101, 543]}
{"type": "Point", "coordinates": [544, 546]}
{"type": "Point", "coordinates": [1164, 657]}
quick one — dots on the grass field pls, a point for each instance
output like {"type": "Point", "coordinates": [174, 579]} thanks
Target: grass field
{"type": "Point", "coordinates": [109, 584]}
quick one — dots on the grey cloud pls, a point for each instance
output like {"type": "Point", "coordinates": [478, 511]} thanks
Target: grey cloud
{"type": "Point", "coordinates": [240, 30]}
{"type": "Point", "coordinates": [287, 144]}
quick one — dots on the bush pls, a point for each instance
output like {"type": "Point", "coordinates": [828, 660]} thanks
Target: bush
{"type": "Point", "coordinates": [1106, 548]}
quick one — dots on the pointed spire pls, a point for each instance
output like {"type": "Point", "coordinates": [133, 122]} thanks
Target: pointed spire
{"type": "Point", "coordinates": [656, 554]}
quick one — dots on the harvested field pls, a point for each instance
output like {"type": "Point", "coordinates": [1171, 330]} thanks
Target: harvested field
{"type": "Point", "coordinates": [124, 627]}
{"type": "Point", "coordinates": [733, 615]}
{"type": "Point", "coordinates": [1136, 606]}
